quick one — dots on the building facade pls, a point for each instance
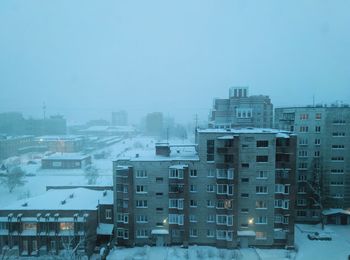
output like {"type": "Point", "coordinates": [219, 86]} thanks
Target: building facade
{"type": "Point", "coordinates": [235, 189]}
{"type": "Point", "coordinates": [120, 118]}
{"type": "Point", "coordinates": [241, 110]}
{"type": "Point", "coordinates": [15, 145]}
{"type": "Point", "coordinates": [323, 160]}
{"type": "Point", "coordinates": [66, 161]}
{"type": "Point", "coordinates": [63, 219]}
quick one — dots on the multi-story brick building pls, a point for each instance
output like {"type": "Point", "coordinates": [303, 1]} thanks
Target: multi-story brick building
{"type": "Point", "coordinates": [241, 110]}
{"type": "Point", "coordinates": [323, 160]}
{"type": "Point", "coordinates": [71, 219]}
{"type": "Point", "coordinates": [235, 187]}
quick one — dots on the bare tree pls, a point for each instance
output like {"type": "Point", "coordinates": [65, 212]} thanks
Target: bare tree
{"type": "Point", "coordinates": [14, 177]}
{"type": "Point", "coordinates": [91, 174]}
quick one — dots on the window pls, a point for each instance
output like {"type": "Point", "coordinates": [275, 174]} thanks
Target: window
{"type": "Point", "coordinates": [176, 203]}
{"type": "Point", "coordinates": [302, 165]}
{"type": "Point", "coordinates": [141, 219]}
{"type": "Point", "coordinates": [220, 204]}
{"type": "Point", "coordinates": [172, 219]}
{"type": "Point", "coordinates": [210, 204]}
{"type": "Point", "coordinates": [317, 129]}
{"type": "Point", "coordinates": [193, 232]}
{"type": "Point", "coordinates": [279, 188]}
{"type": "Point", "coordinates": [193, 173]}
{"type": "Point", "coordinates": [66, 226]}
{"type": "Point", "coordinates": [224, 235]}
{"type": "Point", "coordinates": [210, 150]}
{"type": "Point", "coordinates": [193, 188]}
{"type": "Point", "coordinates": [193, 203]}
{"type": "Point", "coordinates": [141, 189]}
{"type": "Point", "coordinates": [301, 213]}
{"type": "Point", "coordinates": [302, 177]}
{"type": "Point", "coordinates": [337, 171]}
{"type": "Point", "coordinates": [262, 143]}
{"type": "Point", "coordinates": [108, 213]}
{"type": "Point", "coordinates": [261, 175]}
{"type": "Point", "coordinates": [338, 134]}
{"type": "Point", "coordinates": [56, 164]}
{"type": "Point", "coordinates": [175, 233]}
{"type": "Point", "coordinates": [31, 226]}
{"type": "Point", "coordinates": [193, 218]}
{"type": "Point", "coordinates": [244, 210]}
{"type": "Point", "coordinates": [261, 189]}
{"type": "Point", "coordinates": [285, 219]}
{"type": "Point", "coordinates": [142, 233]}
{"type": "Point", "coordinates": [159, 179]}
{"type": "Point", "coordinates": [244, 195]}
{"type": "Point", "coordinates": [301, 189]}
{"type": "Point", "coordinates": [245, 165]}
{"type": "Point", "coordinates": [211, 173]}
{"type": "Point", "coordinates": [221, 219]}
{"type": "Point", "coordinates": [261, 220]}
{"type": "Point", "coordinates": [262, 158]}
{"type": "Point", "coordinates": [278, 218]}
{"type": "Point", "coordinates": [141, 203]}
{"type": "Point", "coordinates": [260, 235]}
{"type": "Point", "coordinates": [317, 141]}
{"type": "Point", "coordinates": [244, 179]}
{"type": "Point", "coordinates": [304, 116]}
{"type": "Point", "coordinates": [260, 204]}
{"type": "Point", "coordinates": [244, 112]}
{"type": "Point", "coordinates": [34, 245]}
{"type": "Point", "coordinates": [224, 189]}
{"type": "Point", "coordinates": [210, 233]}
{"type": "Point", "coordinates": [302, 153]}
{"type": "Point", "coordinates": [210, 188]}
{"type": "Point", "coordinates": [211, 218]}
{"type": "Point", "coordinates": [123, 218]}
{"type": "Point", "coordinates": [141, 174]}
{"type": "Point", "coordinates": [304, 129]}
{"type": "Point", "coordinates": [123, 233]}
{"type": "Point", "coordinates": [301, 202]}
{"type": "Point", "coordinates": [318, 116]}
{"type": "Point", "coordinates": [159, 193]}
{"type": "Point", "coordinates": [317, 154]}
{"type": "Point", "coordinates": [338, 146]}
{"type": "Point", "coordinates": [176, 174]}
{"type": "Point", "coordinates": [159, 210]}
{"type": "Point", "coordinates": [337, 158]}
{"type": "Point", "coordinates": [303, 141]}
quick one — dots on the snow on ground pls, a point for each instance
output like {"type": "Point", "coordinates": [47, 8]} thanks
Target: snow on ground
{"type": "Point", "coordinates": [40, 178]}
{"type": "Point", "coordinates": [195, 253]}
{"type": "Point", "coordinates": [337, 248]}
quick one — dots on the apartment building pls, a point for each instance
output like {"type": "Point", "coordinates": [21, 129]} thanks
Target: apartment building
{"type": "Point", "coordinates": [63, 219]}
{"type": "Point", "coordinates": [15, 145]}
{"type": "Point", "coordinates": [241, 110]}
{"type": "Point", "coordinates": [235, 187]}
{"type": "Point", "coordinates": [323, 160]}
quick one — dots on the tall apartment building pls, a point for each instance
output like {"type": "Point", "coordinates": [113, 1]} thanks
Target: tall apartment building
{"type": "Point", "coordinates": [323, 161]}
{"type": "Point", "coordinates": [120, 118]}
{"type": "Point", "coordinates": [241, 110]}
{"type": "Point", "coordinates": [236, 187]}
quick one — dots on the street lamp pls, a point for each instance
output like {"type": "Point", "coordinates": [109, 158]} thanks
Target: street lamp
{"type": "Point", "coordinates": [250, 221]}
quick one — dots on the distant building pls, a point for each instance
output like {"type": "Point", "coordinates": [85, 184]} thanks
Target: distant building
{"type": "Point", "coordinates": [73, 219]}
{"type": "Point", "coordinates": [66, 161]}
{"type": "Point", "coordinates": [236, 188]}
{"type": "Point", "coordinates": [62, 143]}
{"type": "Point", "coordinates": [108, 131]}
{"type": "Point", "coordinates": [14, 123]}
{"type": "Point", "coordinates": [15, 145]}
{"type": "Point", "coordinates": [154, 124]}
{"type": "Point", "coordinates": [120, 118]}
{"type": "Point", "coordinates": [323, 160]}
{"type": "Point", "coordinates": [241, 110]}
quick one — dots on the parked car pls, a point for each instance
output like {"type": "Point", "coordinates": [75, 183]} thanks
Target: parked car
{"type": "Point", "coordinates": [318, 236]}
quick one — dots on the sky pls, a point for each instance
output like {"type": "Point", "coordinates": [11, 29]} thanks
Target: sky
{"type": "Point", "coordinates": [84, 58]}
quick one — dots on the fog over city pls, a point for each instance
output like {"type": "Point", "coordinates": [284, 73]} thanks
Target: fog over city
{"type": "Point", "coordinates": [167, 130]}
{"type": "Point", "coordinates": [85, 59]}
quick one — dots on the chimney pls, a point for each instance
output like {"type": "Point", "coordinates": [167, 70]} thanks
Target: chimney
{"type": "Point", "coordinates": [163, 149]}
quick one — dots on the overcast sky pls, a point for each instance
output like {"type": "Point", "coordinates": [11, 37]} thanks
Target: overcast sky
{"type": "Point", "coordinates": [87, 58]}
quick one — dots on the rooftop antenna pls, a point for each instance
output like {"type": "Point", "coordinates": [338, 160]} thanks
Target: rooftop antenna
{"type": "Point", "coordinates": [313, 100]}
{"type": "Point", "coordinates": [44, 110]}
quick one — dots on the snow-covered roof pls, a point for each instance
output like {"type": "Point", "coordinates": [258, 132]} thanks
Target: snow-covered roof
{"type": "Point", "coordinates": [66, 156]}
{"type": "Point", "coordinates": [248, 130]}
{"type": "Point", "coordinates": [105, 229]}
{"type": "Point", "coordinates": [160, 231]}
{"type": "Point", "coordinates": [226, 137]}
{"type": "Point", "coordinates": [177, 153]}
{"type": "Point", "coordinates": [46, 138]}
{"type": "Point", "coordinates": [335, 211]}
{"type": "Point", "coordinates": [74, 199]}
{"type": "Point", "coordinates": [246, 233]}
{"type": "Point", "coordinates": [102, 128]}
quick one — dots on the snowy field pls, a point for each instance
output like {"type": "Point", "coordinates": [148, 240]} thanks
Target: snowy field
{"type": "Point", "coordinates": [36, 184]}
{"type": "Point", "coordinates": [195, 253]}
{"type": "Point", "coordinates": [336, 249]}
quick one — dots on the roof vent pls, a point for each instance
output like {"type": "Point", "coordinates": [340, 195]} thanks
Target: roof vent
{"type": "Point", "coordinates": [63, 202]}
{"type": "Point", "coordinates": [137, 155]}
{"type": "Point", "coordinates": [104, 193]}
{"type": "Point", "coordinates": [25, 204]}
{"type": "Point", "coordinates": [71, 195]}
